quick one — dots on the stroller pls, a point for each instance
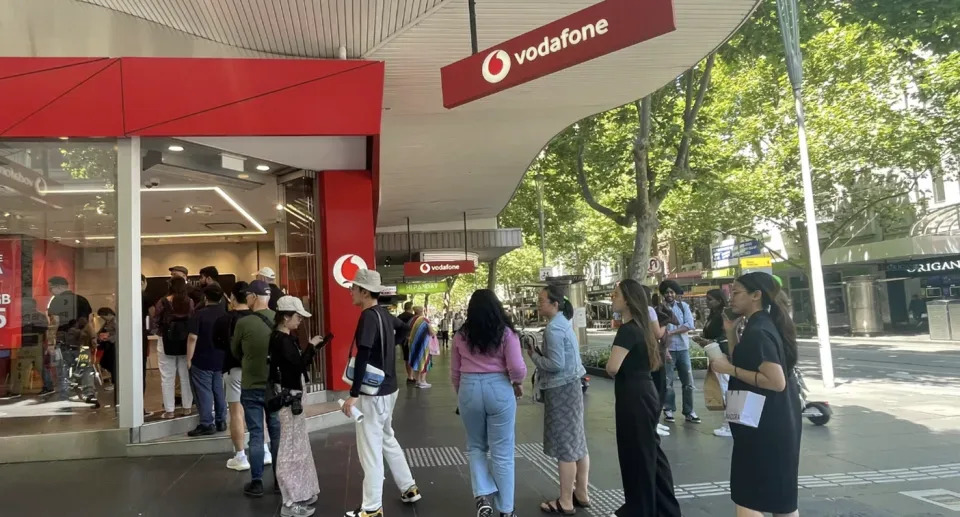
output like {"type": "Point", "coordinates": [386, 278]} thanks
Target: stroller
{"type": "Point", "coordinates": [84, 377]}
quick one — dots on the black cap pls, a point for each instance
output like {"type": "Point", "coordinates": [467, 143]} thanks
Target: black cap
{"type": "Point", "coordinates": [259, 288]}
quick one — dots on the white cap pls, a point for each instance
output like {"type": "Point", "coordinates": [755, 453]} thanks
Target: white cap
{"type": "Point", "coordinates": [266, 273]}
{"type": "Point", "coordinates": [369, 280]}
{"type": "Point", "coordinates": [292, 304]}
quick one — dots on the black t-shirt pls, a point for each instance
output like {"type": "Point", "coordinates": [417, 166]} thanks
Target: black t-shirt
{"type": "Point", "coordinates": [714, 330]}
{"type": "Point", "coordinates": [289, 365]}
{"type": "Point", "coordinates": [404, 331]}
{"type": "Point", "coordinates": [68, 307]}
{"type": "Point", "coordinates": [637, 363]}
{"type": "Point", "coordinates": [275, 294]}
{"type": "Point", "coordinates": [206, 356]}
{"type": "Point", "coordinates": [378, 352]}
{"type": "Point", "coordinates": [223, 334]}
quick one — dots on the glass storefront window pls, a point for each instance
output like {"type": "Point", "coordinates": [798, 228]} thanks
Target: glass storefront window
{"type": "Point", "coordinates": [58, 285]}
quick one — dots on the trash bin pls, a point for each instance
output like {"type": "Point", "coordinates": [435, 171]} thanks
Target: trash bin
{"type": "Point", "coordinates": [953, 313]}
{"type": "Point", "coordinates": [863, 305]}
{"type": "Point", "coordinates": [938, 316]}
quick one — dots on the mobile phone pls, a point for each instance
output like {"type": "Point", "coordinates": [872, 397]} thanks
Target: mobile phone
{"type": "Point", "coordinates": [326, 339]}
{"type": "Point", "coordinates": [729, 314]}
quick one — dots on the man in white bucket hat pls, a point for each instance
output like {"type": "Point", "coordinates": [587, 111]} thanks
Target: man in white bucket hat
{"type": "Point", "coordinates": [376, 443]}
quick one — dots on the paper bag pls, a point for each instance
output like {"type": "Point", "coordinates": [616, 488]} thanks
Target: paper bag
{"type": "Point", "coordinates": [744, 408]}
{"type": "Point", "coordinates": [713, 391]}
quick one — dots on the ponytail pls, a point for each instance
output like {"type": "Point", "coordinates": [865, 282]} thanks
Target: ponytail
{"type": "Point", "coordinates": [776, 302]}
{"type": "Point", "coordinates": [556, 295]}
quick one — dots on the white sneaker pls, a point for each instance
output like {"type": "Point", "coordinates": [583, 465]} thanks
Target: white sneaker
{"type": "Point", "coordinates": [296, 510]}
{"type": "Point", "coordinates": [424, 385]}
{"type": "Point", "coordinates": [662, 432]}
{"type": "Point", "coordinates": [663, 427]}
{"type": "Point", "coordinates": [723, 432]}
{"type": "Point", "coordinates": [238, 463]}
{"type": "Point", "coordinates": [267, 458]}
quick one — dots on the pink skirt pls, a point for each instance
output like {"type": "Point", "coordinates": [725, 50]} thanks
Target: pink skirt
{"type": "Point", "coordinates": [296, 471]}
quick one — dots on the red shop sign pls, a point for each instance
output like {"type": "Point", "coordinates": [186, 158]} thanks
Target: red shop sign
{"type": "Point", "coordinates": [10, 285]}
{"type": "Point", "coordinates": [446, 268]}
{"type": "Point", "coordinates": [587, 34]}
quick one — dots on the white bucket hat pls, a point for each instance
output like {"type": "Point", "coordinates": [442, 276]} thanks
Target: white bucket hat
{"type": "Point", "coordinates": [292, 304]}
{"type": "Point", "coordinates": [369, 280]}
{"type": "Point", "coordinates": [266, 273]}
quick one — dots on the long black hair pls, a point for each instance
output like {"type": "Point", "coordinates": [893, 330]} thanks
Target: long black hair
{"type": "Point", "coordinates": [487, 321]}
{"type": "Point", "coordinates": [556, 295]}
{"type": "Point", "coordinates": [179, 300]}
{"type": "Point", "coordinates": [772, 299]}
{"type": "Point", "coordinates": [637, 302]}
{"type": "Point", "coordinates": [718, 295]}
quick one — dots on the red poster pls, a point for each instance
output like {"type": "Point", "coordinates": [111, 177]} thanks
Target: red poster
{"type": "Point", "coordinates": [10, 285]}
{"type": "Point", "coordinates": [445, 268]}
{"type": "Point", "coordinates": [587, 34]}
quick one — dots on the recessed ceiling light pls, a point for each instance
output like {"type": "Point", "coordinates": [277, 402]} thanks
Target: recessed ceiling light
{"type": "Point", "coordinates": [76, 241]}
{"type": "Point", "coordinates": [64, 138]}
{"type": "Point", "coordinates": [243, 176]}
{"type": "Point", "coordinates": [187, 210]}
{"type": "Point", "coordinates": [175, 148]}
{"type": "Point", "coordinates": [263, 167]}
{"type": "Point", "coordinates": [279, 206]}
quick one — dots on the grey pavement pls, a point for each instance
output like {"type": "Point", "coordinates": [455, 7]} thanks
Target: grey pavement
{"type": "Point", "coordinates": [892, 444]}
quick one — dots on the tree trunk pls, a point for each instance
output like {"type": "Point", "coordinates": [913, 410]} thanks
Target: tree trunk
{"type": "Point", "coordinates": [492, 274]}
{"type": "Point", "coordinates": [642, 244]}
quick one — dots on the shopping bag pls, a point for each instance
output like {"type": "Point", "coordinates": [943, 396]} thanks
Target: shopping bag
{"type": "Point", "coordinates": [434, 345]}
{"type": "Point", "coordinates": [744, 408]}
{"type": "Point", "coordinates": [713, 389]}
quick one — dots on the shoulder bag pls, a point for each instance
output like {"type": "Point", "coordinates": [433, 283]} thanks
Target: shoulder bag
{"type": "Point", "coordinates": [372, 377]}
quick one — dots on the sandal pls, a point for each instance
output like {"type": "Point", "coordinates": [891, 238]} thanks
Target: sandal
{"type": "Point", "coordinates": [554, 507]}
{"type": "Point", "coordinates": [577, 503]}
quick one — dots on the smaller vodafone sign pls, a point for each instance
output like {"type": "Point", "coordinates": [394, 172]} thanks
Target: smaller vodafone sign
{"type": "Point", "coordinates": [587, 34]}
{"type": "Point", "coordinates": [446, 268]}
{"type": "Point", "coordinates": [346, 267]}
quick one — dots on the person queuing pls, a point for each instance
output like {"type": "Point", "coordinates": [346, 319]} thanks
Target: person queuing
{"type": "Point", "coordinates": [233, 371]}
{"type": "Point", "coordinates": [289, 366]}
{"type": "Point", "coordinates": [647, 479]}
{"type": "Point", "coordinates": [250, 345]}
{"type": "Point", "coordinates": [560, 370]}
{"type": "Point", "coordinates": [406, 317]}
{"type": "Point", "coordinates": [32, 349]}
{"type": "Point", "coordinates": [765, 463]}
{"type": "Point", "coordinates": [269, 277]}
{"type": "Point", "coordinates": [66, 310]}
{"type": "Point", "coordinates": [658, 322]}
{"type": "Point", "coordinates": [211, 276]}
{"type": "Point", "coordinates": [678, 346]}
{"type": "Point", "coordinates": [195, 295]}
{"type": "Point", "coordinates": [421, 334]}
{"type": "Point", "coordinates": [376, 440]}
{"type": "Point", "coordinates": [487, 371]}
{"type": "Point", "coordinates": [173, 313]}
{"type": "Point", "coordinates": [206, 362]}
{"type": "Point", "coordinates": [713, 331]}
{"type": "Point", "coordinates": [107, 345]}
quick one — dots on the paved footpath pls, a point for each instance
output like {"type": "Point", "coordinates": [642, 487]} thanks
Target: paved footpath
{"type": "Point", "coordinates": [891, 450]}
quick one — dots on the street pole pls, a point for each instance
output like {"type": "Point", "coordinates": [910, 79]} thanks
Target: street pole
{"type": "Point", "coordinates": [788, 13]}
{"type": "Point", "coordinates": [543, 241]}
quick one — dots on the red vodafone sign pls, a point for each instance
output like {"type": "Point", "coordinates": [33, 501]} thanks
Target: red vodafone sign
{"type": "Point", "coordinates": [346, 267]}
{"type": "Point", "coordinates": [445, 268]}
{"type": "Point", "coordinates": [598, 30]}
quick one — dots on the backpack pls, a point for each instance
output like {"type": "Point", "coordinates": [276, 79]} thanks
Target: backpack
{"type": "Point", "coordinates": [175, 333]}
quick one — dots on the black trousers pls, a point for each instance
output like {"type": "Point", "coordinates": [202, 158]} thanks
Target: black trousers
{"type": "Point", "coordinates": [660, 381]}
{"type": "Point", "coordinates": [644, 468]}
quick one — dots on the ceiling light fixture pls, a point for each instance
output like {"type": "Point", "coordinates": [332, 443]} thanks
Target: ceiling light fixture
{"type": "Point", "coordinates": [64, 138]}
{"type": "Point", "coordinates": [279, 206]}
{"type": "Point", "coordinates": [243, 176]}
{"type": "Point", "coordinates": [175, 148]}
{"type": "Point", "coordinates": [263, 167]}
{"type": "Point", "coordinates": [187, 210]}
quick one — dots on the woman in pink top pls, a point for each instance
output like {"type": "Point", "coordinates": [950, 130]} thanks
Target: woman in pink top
{"type": "Point", "coordinates": [488, 372]}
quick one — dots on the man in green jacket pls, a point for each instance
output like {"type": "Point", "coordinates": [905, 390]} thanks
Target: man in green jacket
{"type": "Point", "coordinates": [250, 345]}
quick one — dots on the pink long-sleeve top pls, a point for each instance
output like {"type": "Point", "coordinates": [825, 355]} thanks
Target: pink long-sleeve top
{"type": "Point", "coordinates": [507, 359]}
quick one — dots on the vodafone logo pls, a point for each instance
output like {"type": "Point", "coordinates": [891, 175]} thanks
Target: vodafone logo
{"type": "Point", "coordinates": [346, 267]}
{"type": "Point", "coordinates": [496, 66]}
{"type": "Point", "coordinates": [425, 268]}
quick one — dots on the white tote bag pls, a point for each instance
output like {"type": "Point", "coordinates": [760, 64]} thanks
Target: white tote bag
{"type": "Point", "coordinates": [744, 408]}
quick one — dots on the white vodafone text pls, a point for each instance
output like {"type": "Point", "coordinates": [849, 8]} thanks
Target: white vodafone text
{"type": "Point", "coordinates": [567, 37]}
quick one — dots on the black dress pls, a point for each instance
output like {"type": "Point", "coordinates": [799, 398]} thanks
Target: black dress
{"type": "Point", "coordinates": [647, 480]}
{"type": "Point", "coordinates": [766, 459]}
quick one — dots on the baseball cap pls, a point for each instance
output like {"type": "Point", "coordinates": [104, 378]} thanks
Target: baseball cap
{"type": "Point", "coordinates": [180, 269]}
{"type": "Point", "coordinates": [266, 273]}
{"type": "Point", "coordinates": [259, 288]}
{"type": "Point", "coordinates": [292, 304]}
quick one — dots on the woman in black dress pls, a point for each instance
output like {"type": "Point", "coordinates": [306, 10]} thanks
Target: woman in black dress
{"type": "Point", "coordinates": [713, 332]}
{"type": "Point", "coordinates": [766, 459]}
{"type": "Point", "coordinates": [647, 480]}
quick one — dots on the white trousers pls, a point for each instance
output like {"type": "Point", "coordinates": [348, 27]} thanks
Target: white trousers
{"type": "Point", "coordinates": [376, 443]}
{"type": "Point", "coordinates": [170, 366]}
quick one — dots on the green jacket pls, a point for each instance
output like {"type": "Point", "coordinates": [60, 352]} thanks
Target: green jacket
{"type": "Point", "coordinates": [250, 345]}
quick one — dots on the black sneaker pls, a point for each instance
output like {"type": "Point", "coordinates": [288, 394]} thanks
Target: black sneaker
{"type": "Point", "coordinates": [221, 427]}
{"type": "Point", "coordinates": [411, 381]}
{"type": "Point", "coordinates": [46, 391]}
{"type": "Point", "coordinates": [203, 430]}
{"type": "Point", "coordinates": [693, 418]}
{"type": "Point", "coordinates": [360, 513]}
{"type": "Point", "coordinates": [253, 488]}
{"type": "Point", "coordinates": [668, 417]}
{"type": "Point", "coordinates": [483, 507]}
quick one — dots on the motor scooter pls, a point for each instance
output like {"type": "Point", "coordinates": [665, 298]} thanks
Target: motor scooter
{"type": "Point", "coordinates": [817, 412]}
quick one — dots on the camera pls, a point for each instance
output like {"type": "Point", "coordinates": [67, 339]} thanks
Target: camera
{"type": "Point", "coordinates": [151, 183]}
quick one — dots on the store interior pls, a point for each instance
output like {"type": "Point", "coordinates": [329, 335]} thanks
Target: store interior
{"type": "Point", "coordinates": [240, 204]}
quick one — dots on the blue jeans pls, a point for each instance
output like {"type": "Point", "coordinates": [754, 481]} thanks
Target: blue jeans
{"type": "Point", "coordinates": [488, 408]}
{"type": "Point", "coordinates": [680, 363]}
{"type": "Point", "coordinates": [68, 358]}
{"type": "Point", "coordinates": [253, 412]}
{"type": "Point", "coordinates": [211, 401]}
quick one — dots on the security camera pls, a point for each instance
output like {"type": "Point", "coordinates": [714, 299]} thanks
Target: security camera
{"type": "Point", "coordinates": [151, 183]}
{"type": "Point", "coordinates": [168, 218]}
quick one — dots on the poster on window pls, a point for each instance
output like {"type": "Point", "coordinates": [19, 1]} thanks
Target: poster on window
{"type": "Point", "coordinates": [9, 292]}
